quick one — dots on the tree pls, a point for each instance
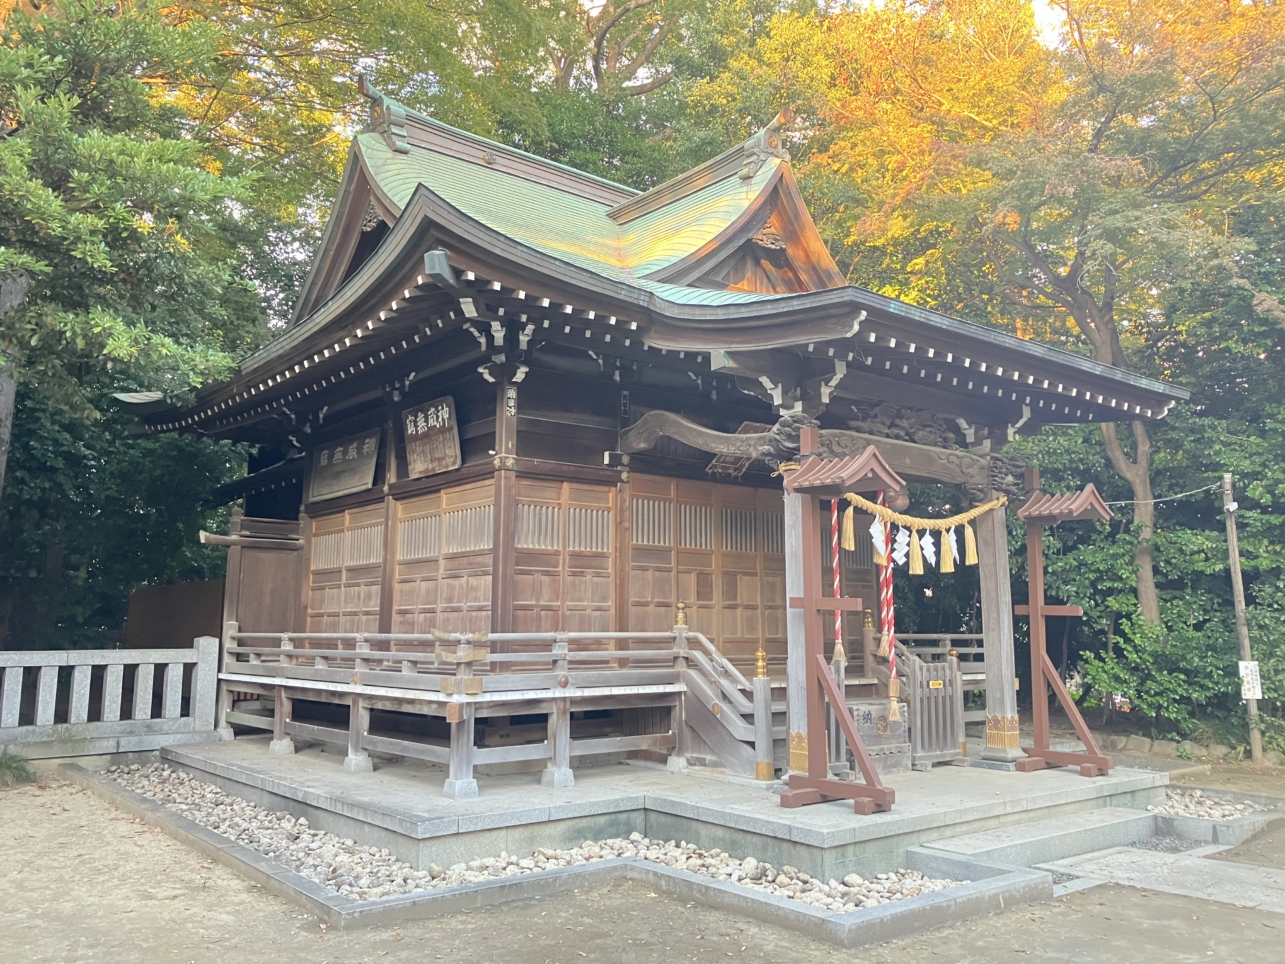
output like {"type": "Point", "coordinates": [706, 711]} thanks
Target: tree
{"type": "Point", "coordinates": [1062, 193]}
{"type": "Point", "coordinates": [110, 212]}
{"type": "Point", "coordinates": [1173, 114]}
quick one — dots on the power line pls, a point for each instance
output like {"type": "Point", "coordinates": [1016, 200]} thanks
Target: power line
{"type": "Point", "coordinates": [1167, 498]}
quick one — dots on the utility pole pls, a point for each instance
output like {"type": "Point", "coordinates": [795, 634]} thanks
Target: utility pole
{"type": "Point", "coordinates": [1238, 600]}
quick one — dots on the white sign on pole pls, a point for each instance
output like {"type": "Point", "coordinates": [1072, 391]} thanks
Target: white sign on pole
{"type": "Point", "coordinates": [1251, 684]}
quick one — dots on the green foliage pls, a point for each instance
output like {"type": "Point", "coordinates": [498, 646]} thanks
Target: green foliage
{"type": "Point", "coordinates": [15, 769]}
{"type": "Point", "coordinates": [90, 512]}
{"type": "Point", "coordinates": [111, 209]}
{"type": "Point", "coordinates": [137, 250]}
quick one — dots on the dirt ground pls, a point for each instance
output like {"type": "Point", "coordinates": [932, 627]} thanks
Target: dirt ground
{"type": "Point", "coordinates": [81, 883]}
{"type": "Point", "coordinates": [1239, 776]}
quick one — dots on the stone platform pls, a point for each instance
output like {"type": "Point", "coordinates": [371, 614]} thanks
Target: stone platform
{"type": "Point", "coordinates": [400, 806]}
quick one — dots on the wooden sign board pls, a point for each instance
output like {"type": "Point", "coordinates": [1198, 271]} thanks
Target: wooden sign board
{"type": "Point", "coordinates": [344, 466]}
{"type": "Point", "coordinates": [432, 437]}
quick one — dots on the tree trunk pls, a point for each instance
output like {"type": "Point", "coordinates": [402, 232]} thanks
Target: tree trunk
{"type": "Point", "coordinates": [13, 292]}
{"type": "Point", "coordinates": [8, 389]}
{"type": "Point", "coordinates": [1137, 472]}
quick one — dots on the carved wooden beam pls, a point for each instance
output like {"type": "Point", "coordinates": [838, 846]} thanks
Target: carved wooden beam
{"type": "Point", "coordinates": [976, 474]}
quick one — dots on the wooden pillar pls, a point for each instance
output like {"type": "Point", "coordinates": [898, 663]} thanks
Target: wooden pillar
{"type": "Point", "coordinates": [796, 692]}
{"type": "Point", "coordinates": [223, 700]}
{"type": "Point", "coordinates": [621, 590]}
{"type": "Point", "coordinates": [232, 572]}
{"type": "Point", "coordinates": [505, 509]}
{"type": "Point", "coordinates": [388, 585]}
{"type": "Point", "coordinates": [1002, 735]}
{"type": "Point", "coordinates": [1035, 606]}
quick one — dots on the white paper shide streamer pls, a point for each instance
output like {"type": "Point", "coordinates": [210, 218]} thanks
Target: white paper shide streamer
{"type": "Point", "coordinates": [929, 547]}
{"type": "Point", "coordinates": [901, 546]}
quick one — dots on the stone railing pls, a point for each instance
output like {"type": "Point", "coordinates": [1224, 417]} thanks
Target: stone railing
{"type": "Point", "coordinates": [77, 702]}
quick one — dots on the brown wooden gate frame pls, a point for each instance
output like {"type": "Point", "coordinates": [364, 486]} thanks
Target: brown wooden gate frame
{"type": "Point", "coordinates": [817, 478]}
{"type": "Point", "coordinates": [1038, 511]}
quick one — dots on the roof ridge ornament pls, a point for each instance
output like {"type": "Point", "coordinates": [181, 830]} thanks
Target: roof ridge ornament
{"type": "Point", "coordinates": [387, 116]}
{"type": "Point", "coordinates": [766, 144]}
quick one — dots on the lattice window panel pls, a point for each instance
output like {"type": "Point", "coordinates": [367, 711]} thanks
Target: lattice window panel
{"type": "Point", "coordinates": [651, 522]}
{"type": "Point", "coordinates": [773, 532]}
{"type": "Point", "coordinates": [364, 546]}
{"type": "Point", "coordinates": [328, 551]}
{"type": "Point", "coordinates": [694, 527]}
{"type": "Point", "coordinates": [538, 526]}
{"type": "Point", "coordinates": [419, 538]}
{"type": "Point", "coordinates": [467, 530]}
{"type": "Point", "coordinates": [862, 556]}
{"type": "Point", "coordinates": [589, 530]}
{"type": "Point", "coordinates": [738, 529]}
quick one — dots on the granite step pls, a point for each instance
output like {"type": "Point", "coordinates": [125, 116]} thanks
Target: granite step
{"type": "Point", "coordinates": [1053, 838]}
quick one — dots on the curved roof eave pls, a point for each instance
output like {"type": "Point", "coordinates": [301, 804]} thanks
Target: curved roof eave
{"type": "Point", "coordinates": [745, 322]}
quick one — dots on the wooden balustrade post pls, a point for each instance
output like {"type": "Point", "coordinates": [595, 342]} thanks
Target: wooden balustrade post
{"type": "Point", "coordinates": [282, 706]}
{"type": "Point", "coordinates": [558, 772]}
{"type": "Point", "coordinates": [223, 701]}
{"type": "Point", "coordinates": [358, 760]}
{"type": "Point", "coordinates": [460, 783]}
{"type": "Point", "coordinates": [678, 715]}
{"type": "Point", "coordinates": [764, 762]}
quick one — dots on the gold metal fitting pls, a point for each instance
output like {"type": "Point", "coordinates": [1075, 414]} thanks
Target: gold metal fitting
{"type": "Point", "coordinates": [868, 619]}
{"type": "Point", "coordinates": [760, 664]}
{"type": "Point", "coordinates": [680, 619]}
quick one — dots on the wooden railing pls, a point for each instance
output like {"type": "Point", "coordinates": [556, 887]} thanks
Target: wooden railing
{"type": "Point", "coordinates": [71, 702]}
{"type": "Point", "coordinates": [456, 678]}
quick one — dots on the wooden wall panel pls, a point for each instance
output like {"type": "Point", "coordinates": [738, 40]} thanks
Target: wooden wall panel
{"type": "Point", "coordinates": [443, 578]}
{"type": "Point", "coordinates": [720, 549]}
{"type": "Point", "coordinates": [563, 553]}
{"type": "Point", "coordinates": [345, 571]}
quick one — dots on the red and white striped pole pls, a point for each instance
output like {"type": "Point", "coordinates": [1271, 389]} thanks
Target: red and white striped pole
{"type": "Point", "coordinates": [887, 618]}
{"type": "Point", "coordinates": [834, 557]}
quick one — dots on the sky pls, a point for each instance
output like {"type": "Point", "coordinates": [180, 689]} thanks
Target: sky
{"type": "Point", "coordinates": [1047, 19]}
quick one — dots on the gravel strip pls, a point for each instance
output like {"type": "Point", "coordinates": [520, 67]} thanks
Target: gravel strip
{"type": "Point", "coordinates": [1195, 803]}
{"type": "Point", "coordinates": [1166, 845]}
{"type": "Point", "coordinates": [368, 873]}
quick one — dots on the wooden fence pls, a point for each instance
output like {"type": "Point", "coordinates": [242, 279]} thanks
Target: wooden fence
{"type": "Point", "coordinates": [81, 702]}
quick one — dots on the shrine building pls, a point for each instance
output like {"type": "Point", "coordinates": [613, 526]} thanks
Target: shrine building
{"type": "Point", "coordinates": [533, 408]}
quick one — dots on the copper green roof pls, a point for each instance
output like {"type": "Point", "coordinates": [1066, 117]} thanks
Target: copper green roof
{"type": "Point", "coordinates": [571, 227]}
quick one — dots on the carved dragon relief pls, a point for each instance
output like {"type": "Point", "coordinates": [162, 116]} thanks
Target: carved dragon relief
{"type": "Point", "coordinates": [976, 475]}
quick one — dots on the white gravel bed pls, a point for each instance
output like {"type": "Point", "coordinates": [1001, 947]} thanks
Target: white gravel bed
{"type": "Point", "coordinates": [368, 873]}
{"type": "Point", "coordinates": [1195, 803]}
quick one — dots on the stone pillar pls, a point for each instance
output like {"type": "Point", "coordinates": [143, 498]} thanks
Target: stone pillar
{"type": "Point", "coordinates": [796, 691]}
{"type": "Point", "coordinates": [1002, 741]}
